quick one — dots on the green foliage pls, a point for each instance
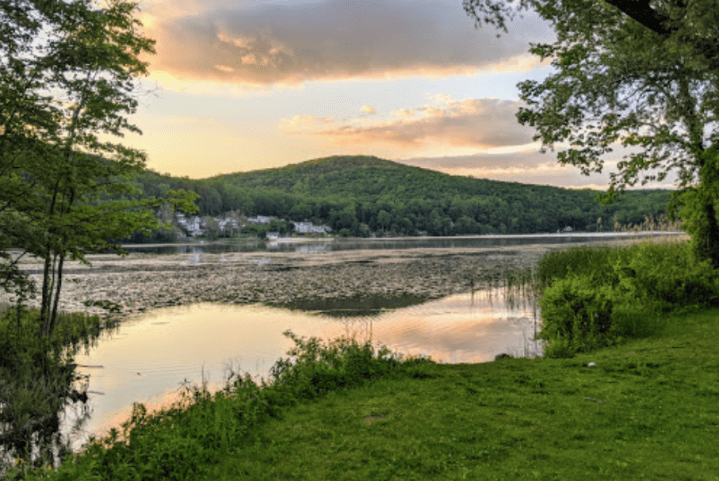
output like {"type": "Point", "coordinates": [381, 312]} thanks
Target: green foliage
{"type": "Point", "coordinates": [640, 75]}
{"type": "Point", "coordinates": [319, 367]}
{"type": "Point", "coordinates": [68, 78]}
{"type": "Point", "coordinates": [37, 379]}
{"type": "Point", "coordinates": [591, 262]}
{"type": "Point", "coordinates": [184, 440]}
{"type": "Point", "coordinates": [667, 277]}
{"type": "Point", "coordinates": [592, 297]}
{"type": "Point", "coordinates": [365, 194]}
{"type": "Point", "coordinates": [577, 316]}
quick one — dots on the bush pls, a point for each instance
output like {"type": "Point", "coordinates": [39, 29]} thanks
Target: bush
{"type": "Point", "coordinates": [577, 316]}
{"type": "Point", "coordinates": [666, 276]}
{"type": "Point", "coordinates": [592, 297]}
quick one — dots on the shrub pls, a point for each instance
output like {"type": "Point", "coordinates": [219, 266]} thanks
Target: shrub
{"type": "Point", "coordinates": [594, 296]}
{"type": "Point", "coordinates": [666, 276]}
{"type": "Point", "coordinates": [576, 315]}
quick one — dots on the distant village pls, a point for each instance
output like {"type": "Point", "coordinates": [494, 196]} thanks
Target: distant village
{"type": "Point", "coordinates": [194, 226]}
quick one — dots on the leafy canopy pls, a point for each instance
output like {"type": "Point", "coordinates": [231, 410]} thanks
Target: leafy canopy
{"type": "Point", "coordinates": [68, 83]}
{"type": "Point", "coordinates": [636, 75]}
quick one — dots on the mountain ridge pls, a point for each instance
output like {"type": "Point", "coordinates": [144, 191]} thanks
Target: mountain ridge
{"type": "Point", "coordinates": [351, 192]}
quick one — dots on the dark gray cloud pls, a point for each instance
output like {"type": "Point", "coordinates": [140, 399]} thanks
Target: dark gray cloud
{"type": "Point", "coordinates": [291, 42]}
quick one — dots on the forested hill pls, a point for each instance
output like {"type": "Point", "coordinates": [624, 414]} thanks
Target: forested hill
{"type": "Point", "coordinates": [361, 193]}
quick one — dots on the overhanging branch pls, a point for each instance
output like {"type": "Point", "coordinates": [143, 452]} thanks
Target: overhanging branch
{"type": "Point", "coordinates": [642, 12]}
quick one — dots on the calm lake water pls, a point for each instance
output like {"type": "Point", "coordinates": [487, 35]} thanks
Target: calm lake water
{"type": "Point", "coordinates": [150, 356]}
{"type": "Point", "coordinates": [309, 245]}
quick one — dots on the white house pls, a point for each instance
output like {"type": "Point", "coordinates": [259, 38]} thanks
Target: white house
{"type": "Point", "coordinates": [310, 228]}
{"type": "Point", "coordinates": [191, 226]}
{"type": "Point", "coordinates": [260, 219]}
{"type": "Point", "coordinates": [228, 223]}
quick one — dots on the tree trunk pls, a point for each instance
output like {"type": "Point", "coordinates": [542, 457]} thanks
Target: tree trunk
{"type": "Point", "coordinates": [48, 270]}
{"type": "Point", "coordinates": [706, 237]}
{"type": "Point", "coordinates": [705, 232]}
{"type": "Point", "coordinates": [53, 314]}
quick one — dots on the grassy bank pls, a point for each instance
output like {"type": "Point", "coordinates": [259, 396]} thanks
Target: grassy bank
{"type": "Point", "coordinates": [647, 410]}
{"type": "Point", "coordinates": [633, 397]}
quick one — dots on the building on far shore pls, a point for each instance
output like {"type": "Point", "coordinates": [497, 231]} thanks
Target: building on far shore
{"type": "Point", "coordinates": [191, 226]}
{"type": "Point", "coordinates": [228, 223]}
{"type": "Point", "coordinates": [310, 228]}
{"type": "Point", "coordinates": [260, 219]}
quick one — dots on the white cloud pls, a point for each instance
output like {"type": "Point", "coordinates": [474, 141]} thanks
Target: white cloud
{"type": "Point", "coordinates": [526, 167]}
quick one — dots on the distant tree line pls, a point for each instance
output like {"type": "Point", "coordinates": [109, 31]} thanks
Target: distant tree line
{"type": "Point", "coordinates": [361, 195]}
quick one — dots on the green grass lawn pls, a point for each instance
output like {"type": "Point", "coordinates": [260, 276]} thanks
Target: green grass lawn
{"type": "Point", "coordinates": [649, 409]}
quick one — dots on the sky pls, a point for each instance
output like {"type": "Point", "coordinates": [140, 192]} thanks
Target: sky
{"type": "Point", "coordinates": [241, 85]}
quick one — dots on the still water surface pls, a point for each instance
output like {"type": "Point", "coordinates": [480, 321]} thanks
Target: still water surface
{"type": "Point", "coordinates": [310, 245]}
{"type": "Point", "coordinates": [149, 357]}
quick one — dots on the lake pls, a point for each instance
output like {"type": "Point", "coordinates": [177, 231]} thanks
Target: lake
{"type": "Point", "coordinates": [150, 356]}
{"type": "Point", "coordinates": [197, 315]}
{"type": "Point", "coordinates": [310, 245]}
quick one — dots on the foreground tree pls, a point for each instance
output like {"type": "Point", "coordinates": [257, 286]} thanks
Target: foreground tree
{"type": "Point", "coordinates": [68, 77]}
{"type": "Point", "coordinates": [641, 75]}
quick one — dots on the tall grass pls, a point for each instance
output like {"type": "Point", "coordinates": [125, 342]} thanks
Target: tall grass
{"type": "Point", "coordinates": [595, 296]}
{"type": "Point", "coordinates": [182, 441]}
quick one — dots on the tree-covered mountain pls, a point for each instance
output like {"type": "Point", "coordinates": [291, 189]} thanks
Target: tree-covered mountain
{"type": "Point", "coordinates": [363, 194]}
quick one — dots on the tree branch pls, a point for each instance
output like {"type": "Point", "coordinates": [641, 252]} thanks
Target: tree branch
{"type": "Point", "coordinates": [642, 12]}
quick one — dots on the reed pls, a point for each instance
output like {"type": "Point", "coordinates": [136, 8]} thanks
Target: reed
{"type": "Point", "coordinates": [597, 296]}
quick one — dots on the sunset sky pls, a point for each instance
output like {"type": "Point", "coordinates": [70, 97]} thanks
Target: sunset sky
{"type": "Point", "coordinates": [239, 85]}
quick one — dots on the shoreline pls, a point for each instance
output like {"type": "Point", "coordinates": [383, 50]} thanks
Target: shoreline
{"type": "Point", "coordinates": [140, 281]}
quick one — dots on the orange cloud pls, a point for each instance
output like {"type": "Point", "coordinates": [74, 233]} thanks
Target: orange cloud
{"type": "Point", "coordinates": [405, 113]}
{"type": "Point", "coordinates": [477, 123]}
{"type": "Point", "coordinates": [257, 43]}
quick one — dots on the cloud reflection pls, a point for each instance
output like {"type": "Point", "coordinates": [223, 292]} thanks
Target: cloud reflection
{"type": "Point", "coordinates": [151, 355]}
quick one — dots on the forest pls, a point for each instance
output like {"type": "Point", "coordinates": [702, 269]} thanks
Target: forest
{"type": "Point", "coordinates": [361, 195]}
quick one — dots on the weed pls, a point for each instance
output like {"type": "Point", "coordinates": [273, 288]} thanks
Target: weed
{"type": "Point", "coordinates": [37, 379]}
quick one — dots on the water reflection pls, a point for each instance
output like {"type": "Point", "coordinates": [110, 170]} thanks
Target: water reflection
{"type": "Point", "coordinates": [314, 245]}
{"type": "Point", "coordinates": [151, 355]}
{"type": "Point", "coordinates": [353, 307]}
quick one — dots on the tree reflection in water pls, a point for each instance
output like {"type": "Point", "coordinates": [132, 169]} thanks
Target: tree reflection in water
{"type": "Point", "coordinates": [38, 382]}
